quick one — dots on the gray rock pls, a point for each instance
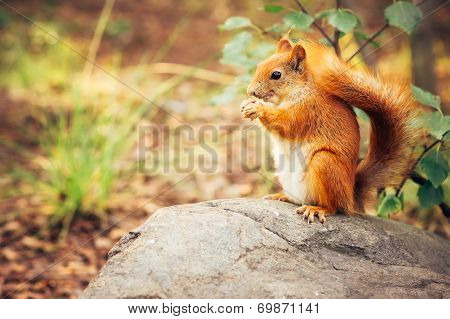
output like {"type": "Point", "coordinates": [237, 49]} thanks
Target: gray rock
{"type": "Point", "coordinates": [242, 248]}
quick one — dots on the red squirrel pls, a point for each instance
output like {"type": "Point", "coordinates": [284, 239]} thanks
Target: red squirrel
{"type": "Point", "coordinates": [302, 95]}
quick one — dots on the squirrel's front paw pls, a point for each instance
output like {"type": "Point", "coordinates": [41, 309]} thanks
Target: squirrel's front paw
{"type": "Point", "coordinates": [251, 108]}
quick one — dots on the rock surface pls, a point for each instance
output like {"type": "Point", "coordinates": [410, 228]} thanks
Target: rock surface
{"type": "Point", "coordinates": [241, 248]}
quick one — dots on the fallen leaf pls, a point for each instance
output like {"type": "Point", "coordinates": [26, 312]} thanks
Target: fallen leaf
{"type": "Point", "coordinates": [103, 243]}
{"type": "Point", "coordinates": [9, 254]}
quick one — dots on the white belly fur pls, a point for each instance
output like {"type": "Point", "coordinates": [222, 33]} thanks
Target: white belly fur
{"type": "Point", "coordinates": [290, 164]}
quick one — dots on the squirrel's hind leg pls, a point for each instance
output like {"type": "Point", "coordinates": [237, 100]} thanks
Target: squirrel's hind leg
{"type": "Point", "coordinates": [309, 212]}
{"type": "Point", "coordinates": [330, 186]}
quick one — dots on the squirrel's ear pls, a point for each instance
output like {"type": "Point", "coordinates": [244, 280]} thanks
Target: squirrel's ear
{"type": "Point", "coordinates": [284, 45]}
{"type": "Point", "coordinates": [298, 55]}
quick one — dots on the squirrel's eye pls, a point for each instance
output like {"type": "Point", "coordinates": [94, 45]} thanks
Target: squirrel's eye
{"type": "Point", "coordinates": [275, 75]}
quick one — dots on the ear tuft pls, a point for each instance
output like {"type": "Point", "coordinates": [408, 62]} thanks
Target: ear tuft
{"type": "Point", "coordinates": [298, 55]}
{"type": "Point", "coordinates": [284, 45]}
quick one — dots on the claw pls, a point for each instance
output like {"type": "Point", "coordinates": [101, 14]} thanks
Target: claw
{"type": "Point", "coordinates": [301, 209]}
{"type": "Point", "coordinates": [321, 217]}
{"type": "Point", "coordinates": [308, 213]}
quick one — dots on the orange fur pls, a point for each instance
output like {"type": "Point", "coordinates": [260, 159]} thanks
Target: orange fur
{"type": "Point", "coordinates": [307, 109]}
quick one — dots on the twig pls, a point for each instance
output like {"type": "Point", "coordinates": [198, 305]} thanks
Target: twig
{"type": "Point", "coordinates": [263, 31]}
{"type": "Point", "coordinates": [417, 178]}
{"type": "Point", "coordinates": [376, 34]}
{"type": "Point", "coordinates": [417, 161]}
{"type": "Point", "coordinates": [369, 40]}
{"type": "Point", "coordinates": [315, 23]}
{"type": "Point", "coordinates": [337, 49]}
{"type": "Point", "coordinates": [421, 2]}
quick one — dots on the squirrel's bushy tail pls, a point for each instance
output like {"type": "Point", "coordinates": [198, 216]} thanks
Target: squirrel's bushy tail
{"type": "Point", "coordinates": [391, 110]}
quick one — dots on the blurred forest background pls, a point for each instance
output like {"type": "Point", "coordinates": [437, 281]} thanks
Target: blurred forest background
{"type": "Point", "coordinates": [69, 153]}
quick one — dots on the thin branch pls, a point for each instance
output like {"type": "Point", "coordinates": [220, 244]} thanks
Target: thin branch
{"type": "Point", "coordinates": [376, 34]}
{"type": "Point", "coordinates": [417, 178]}
{"type": "Point", "coordinates": [337, 49]}
{"type": "Point", "coordinates": [421, 2]}
{"type": "Point", "coordinates": [369, 40]}
{"type": "Point", "coordinates": [318, 27]}
{"type": "Point", "coordinates": [263, 31]}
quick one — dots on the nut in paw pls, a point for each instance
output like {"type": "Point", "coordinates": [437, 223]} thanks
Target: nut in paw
{"type": "Point", "coordinates": [250, 108]}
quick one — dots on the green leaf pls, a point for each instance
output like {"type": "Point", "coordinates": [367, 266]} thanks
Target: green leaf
{"type": "Point", "coordinates": [233, 23]}
{"type": "Point", "coordinates": [426, 98]}
{"type": "Point", "coordinates": [364, 37]}
{"type": "Point", "coordinates": [446, 137]}
{"type": "Point", "coordinates": [277, 28]}
{"type": "Point", "coordinates": [298, 20]}
{"type": "Point", "coordinates": [272, 8]}
{"type": "Point", "coordinates": [343, 20]}
{"type": "Point", "coordinates": [262, 51]}
{"type": "Point", "coordinates": [403, 15]}
{"type": "Point", "coordinates": [226, 97]}
{"type": "Point", "coordinates": [243, 80]}
{"type": "Point", "coordinates": [435, 166]}
{"type": "Point", "coordinates": [234, 52]}
{"type": "Point", "coordinates": [436, 123]}
{"type": "Point", "coordinates": [389, 204]}
{"type": "Point", "coordinates": [429, 196]}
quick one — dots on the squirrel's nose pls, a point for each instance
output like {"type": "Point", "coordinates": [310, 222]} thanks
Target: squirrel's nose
{"type": "Point", "coordinates": [251, 92]}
